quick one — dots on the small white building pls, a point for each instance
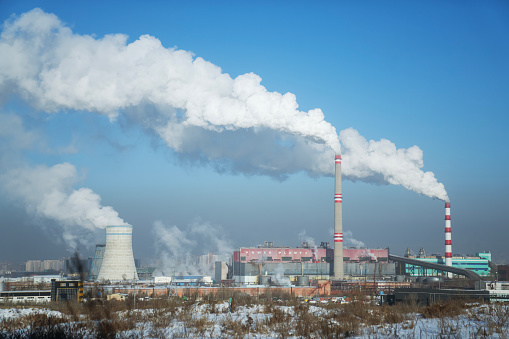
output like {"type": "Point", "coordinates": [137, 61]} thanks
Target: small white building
{"type": "Point", "coordinates": [162, 280]}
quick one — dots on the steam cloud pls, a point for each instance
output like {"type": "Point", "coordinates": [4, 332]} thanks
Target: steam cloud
{"type": "Point", "coordinates": [188, 102]}
{"type": "Point", "coordinates": [381, 162]}
{"type": "Point", "coordinates": [180, 250]}
{"type": "Point", "coordinates": [351, 241]}
{"type": "Point", "coordinates": [47, 192]}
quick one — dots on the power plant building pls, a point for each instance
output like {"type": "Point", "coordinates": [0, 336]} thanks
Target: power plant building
{"type": "Point", "coordinates": [309, 261]}
{"type": "Point", "coordinates": [267, 260]}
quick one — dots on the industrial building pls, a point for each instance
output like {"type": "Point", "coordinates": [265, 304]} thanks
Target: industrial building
{"type": "Point", "coordinates": [312, 262]}
{"type": "Point", "coordinates": [478, 263]}
{"type": "Point", "coordinates": [97, 262]}
{"type": "Point", "coordinates": [17, 297]}
{"type": "Point", "coordinates": [66, 290]}
{"type": "Point", "coordinates": [278, 262]}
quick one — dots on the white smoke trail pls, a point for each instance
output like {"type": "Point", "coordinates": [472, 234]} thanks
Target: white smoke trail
{"type": "Point", "coordinates": [311, 242]}
{"type": "Point", "coordinates": [368, 253]}
{"type": "Point", "coordinates": [304, 237]}
{"type": "Point", "coordinates": [381, 162]}
{"type": "Point", "coordinates": [188, 102]}
{"type": "Point", "coordinates": [48, 192]}
{"type": "Point", "coordinates": [110, 75]}
{"type": "Point", "coordinates": [179, 250]}
{"type": "Point", "coordinates": [279, 276]}
{"type": "Point", "coordinates": [351, 241]}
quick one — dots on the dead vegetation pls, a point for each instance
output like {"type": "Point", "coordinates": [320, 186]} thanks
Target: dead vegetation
{"type": "Point", "coordinates": [282, 316]}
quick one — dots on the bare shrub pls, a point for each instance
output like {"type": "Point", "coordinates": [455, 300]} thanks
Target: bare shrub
{"type": "Point", "coordinates": [200, 326]}
{"type": "Point", "coordinates": [490, 319]}
{"type": "Point", "coordinates": [448, 308]}
{"type": "Point", "coordinates": [306, 324]}
{"type": "Point", "coordinates": [232, 327]}
{"type": "Point", "coordinates": [450, 327]}
{"type": "Point", "coordinates": [499, 319]}
{"type": "Point", "coordinates": [39, 326]}
{"type": "Point", "coordinates": [342, 323]}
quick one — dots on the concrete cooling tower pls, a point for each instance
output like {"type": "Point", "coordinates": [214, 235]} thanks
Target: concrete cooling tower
{"type": "Point", "coordinates": [118, 259]}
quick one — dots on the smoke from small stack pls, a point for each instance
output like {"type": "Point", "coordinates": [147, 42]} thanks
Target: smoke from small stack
{"type": "Point", "coordinates": [351, 241]}
{"type": "Point", "coordinates": [177, 247]}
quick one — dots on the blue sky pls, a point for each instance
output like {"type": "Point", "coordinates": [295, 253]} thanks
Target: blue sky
{"type": "Point", "coordinates": [432, 74]}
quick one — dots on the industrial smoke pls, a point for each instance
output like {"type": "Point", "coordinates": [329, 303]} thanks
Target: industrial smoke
{"type": "Point", "coordinates": [179, 247]}
{"type": "Point", "coordinates": [189, 103]}
{"type": "Point", "coordinates": [47, 192]}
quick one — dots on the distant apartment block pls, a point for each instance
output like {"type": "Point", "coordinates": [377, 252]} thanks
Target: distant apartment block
{"type": "Point", "coordinates": [44, 265]}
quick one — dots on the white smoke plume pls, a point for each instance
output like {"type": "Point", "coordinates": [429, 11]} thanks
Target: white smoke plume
{"type": "Point", "coordinates": [381, 162]}
{"type": "Point", "coordinates": [350, 241]}
{"type": "Point", "coordinates": [368, 253]}
{"type": "Point", "coordinates": [304, 237]}
{"type": "Point", "coordinates": [203, 114]}
{"type": "Point", "coordinates": [109, 75]}
{"type": "Point", "coordinates": [189, 251]}
{"type": "Point", "coordinates": [47, 192]}
{"type": "Point", "coordinates": [310, 240]}
{"type": "Point", "coordinates": [279, 276]}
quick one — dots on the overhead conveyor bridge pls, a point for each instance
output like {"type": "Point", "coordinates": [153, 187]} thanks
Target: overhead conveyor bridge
{"type": "Point", "coordinates": [459, 271]}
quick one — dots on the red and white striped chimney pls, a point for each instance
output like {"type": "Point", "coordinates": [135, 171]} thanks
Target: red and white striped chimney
{"type": "Point", "coordinates": [448, 244]}
{"type": "Point", "coordinates": [338, 221]}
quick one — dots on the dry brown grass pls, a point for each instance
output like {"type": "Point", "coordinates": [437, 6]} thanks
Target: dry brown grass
{"type": "Point", "coordinates": [448, 308]}
{"type": "Point", "coordinates": [164, 317]}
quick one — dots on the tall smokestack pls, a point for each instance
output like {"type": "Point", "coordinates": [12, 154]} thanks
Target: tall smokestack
{"type": "Point", "coordinates": [338, 222]}
{"type": "Point", "coordinates": [448, 244]}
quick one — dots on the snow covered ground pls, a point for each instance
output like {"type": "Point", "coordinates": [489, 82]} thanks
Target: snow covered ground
{"type": "Point", "coordinates": [214, 320]}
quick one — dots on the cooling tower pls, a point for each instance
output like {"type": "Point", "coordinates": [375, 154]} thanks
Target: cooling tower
{"type": "Point", "coordinates": [97, 262]}
{"type": "Point", "coordinates": [118, 259]}
{"type": "Point", "coordinates": [448, 242]}
{"type": "Point", "coordinates": [338, 222]}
